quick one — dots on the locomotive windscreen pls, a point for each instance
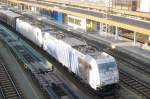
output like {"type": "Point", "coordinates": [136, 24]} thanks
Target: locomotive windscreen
{"type": "Point", "coordinates": [105, 67]}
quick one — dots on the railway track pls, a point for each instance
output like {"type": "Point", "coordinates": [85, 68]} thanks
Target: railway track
{"type": "Point", "coordinates": [111, 97]}
{"type": "Point", "coordinates": [134, 84]}
{"type": "Point", "coordinates": [141, 67]}
{"type": "Point", "coordinates": [9, 89]}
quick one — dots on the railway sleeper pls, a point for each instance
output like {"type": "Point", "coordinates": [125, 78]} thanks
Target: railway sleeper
{"type": "Point", "coordinates": [128, 82]}
{"type": "Point", "coordinates": [11, 95]}
{"type": "Point", "coordinates": [9, 92]}
{"type": "Point", "coordinates": [141, 92]}
{"type": "Point", "coordinates": [4, 80]}
{"type": "Point", "coordinates": [2, 76]}
{"type": "Point", "coordinates": [3, 73]}
{"type": "Point", "coordinates": [148, 95]}
{"type": "Point", "coordinates": [140, 88]}
{"type": "Point", "coordinates": [8, 89]}
{"type": "Point", "coordinates": [15, 98]}
{"type": "Point", "coordinates": [6, 83]}
{"type": "Point", "coordinates": [147, 92]}
{"type": "Point", "coordinates": [2, 70]}
{"type": "Point", "coordinates": [137, 85]}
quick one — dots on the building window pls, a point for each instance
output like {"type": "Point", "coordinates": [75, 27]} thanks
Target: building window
{"type": "Point", "coordinates": [74, 21]}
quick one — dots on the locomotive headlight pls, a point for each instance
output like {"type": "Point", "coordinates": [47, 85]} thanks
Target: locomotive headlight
{"type": "Point", "coordinates": [146, 44]}
{"type": "Point", "coordinates": [39, 19]}
{"type": "Point", "coordinates": [103, 83]}
{"type": "Point", "coordinates": [113, 46]}
{"type": "Point", "coordinates": [115, 79]}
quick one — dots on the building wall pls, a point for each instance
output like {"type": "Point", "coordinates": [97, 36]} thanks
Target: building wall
{"type": "Point", "coordinates": [91, 26]}
{"type": "Point", "coordinates": [76, 22]}
{"type": "Point", "coordinates": [145, 6]}
{"type": "Point", "coordinates": [59, 17]}
{"type": "Point", "coordinates": [132, 5]}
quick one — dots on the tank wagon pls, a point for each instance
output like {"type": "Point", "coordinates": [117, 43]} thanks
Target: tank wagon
{"type": "Point", "coordinates": [95, 68]}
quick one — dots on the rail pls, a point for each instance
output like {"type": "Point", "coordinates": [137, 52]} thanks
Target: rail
{"type": "Point", "coordinates": [143, 68]}
{"type": "Point", "coordinates": [134, 84]}
{"type": "Point", "coordinates": [5, 73]}
{"type": "Point", "coordinates": [2, 96]}
{"type": "Point", "coordinates": [69, 92]}
{"type": "Point", "coordinates": [51, 93]}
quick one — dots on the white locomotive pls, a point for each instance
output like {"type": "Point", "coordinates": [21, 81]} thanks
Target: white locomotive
{"type": "Point", "coordinates": [98, 69]}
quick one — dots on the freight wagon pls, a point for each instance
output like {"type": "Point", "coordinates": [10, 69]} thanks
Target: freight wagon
{"type": "Point", "coordinates": [8, 17]}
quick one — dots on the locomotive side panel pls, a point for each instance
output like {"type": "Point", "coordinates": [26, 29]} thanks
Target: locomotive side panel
{"type": "Point", "coordinates": [29, 31]}
{"type": "Point", "coordinates": [84, 69]}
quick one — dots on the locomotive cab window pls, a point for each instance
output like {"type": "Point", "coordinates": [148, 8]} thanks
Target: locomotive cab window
{"type": "Point", "coordinates": [105, 67]}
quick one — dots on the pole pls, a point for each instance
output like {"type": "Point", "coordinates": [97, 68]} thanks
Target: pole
{"type": "Point", "coordinates": [116, 33]}
{"type": "Point", "coordinates": [149, 38]}
{"type": "Point", "coordinates": [134, 38]}
{"type": "Point", "coordinates": [101, 28]}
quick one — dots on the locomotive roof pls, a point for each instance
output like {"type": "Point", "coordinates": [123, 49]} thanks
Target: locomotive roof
{"type": "Point", "coordinates": [99, 55]}
{"type": "Point", "coordinates": [33, 22]}
{"type": "Point", "coordinates": [73, 41]}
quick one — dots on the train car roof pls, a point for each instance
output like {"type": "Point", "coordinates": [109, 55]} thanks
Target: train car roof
{"type": "Point", "coordinates": [99, 55]}
{"type": "Point", "coordinates": [43, 26]}
{"type": "Point", "coordinates": [10, 13]}
{"type": "Point", "coordinates": [73, 41]}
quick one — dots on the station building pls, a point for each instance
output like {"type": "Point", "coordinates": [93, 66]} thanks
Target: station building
{"type": "Point", "coordinates": [130, 5]}
{"type": "Point", "coordinates": [89, 25]}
